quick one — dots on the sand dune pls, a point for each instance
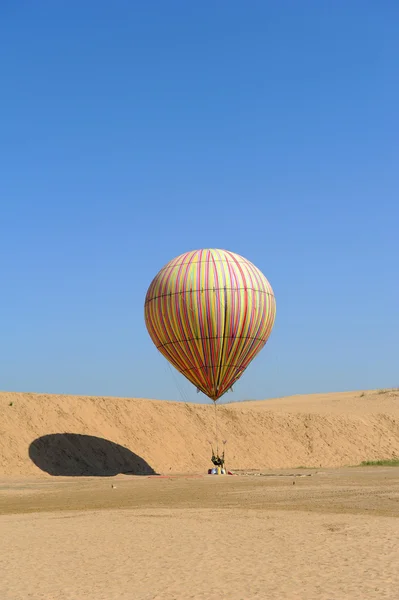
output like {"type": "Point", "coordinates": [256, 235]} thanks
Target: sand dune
{"type": "Point", "coordinates": [106, 436]}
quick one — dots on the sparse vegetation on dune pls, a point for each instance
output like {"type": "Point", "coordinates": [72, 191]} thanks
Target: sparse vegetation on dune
{"type": "Point", "coordinates": [384, 462]}
{"type": "Point", "coordinates": [391, 391]}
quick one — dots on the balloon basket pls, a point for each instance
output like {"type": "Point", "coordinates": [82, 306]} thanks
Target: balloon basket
{"type": "Point", "coordinates": [217, 471]}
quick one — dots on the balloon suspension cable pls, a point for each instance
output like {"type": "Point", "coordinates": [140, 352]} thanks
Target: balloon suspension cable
{"type": "Point", "coordinates": [180, 389]}
{"type": "Point", "coordinates": [216, 429]}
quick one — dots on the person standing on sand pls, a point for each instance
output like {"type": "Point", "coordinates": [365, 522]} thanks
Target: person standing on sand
{"type": "Point", "coordinates": [217, 460]}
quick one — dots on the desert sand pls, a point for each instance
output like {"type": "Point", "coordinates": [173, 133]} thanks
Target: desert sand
{"type": "Point", "coordinates": [83, 515]}
{"type": "Point", "coordinates": [144, 436]}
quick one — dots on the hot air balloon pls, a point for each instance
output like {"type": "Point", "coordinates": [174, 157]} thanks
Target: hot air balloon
{"type": "Point", "coordinates": [210, 312]}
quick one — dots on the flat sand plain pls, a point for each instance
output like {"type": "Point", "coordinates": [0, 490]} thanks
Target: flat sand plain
{"type": "Point", "coordinates": [299, 534]}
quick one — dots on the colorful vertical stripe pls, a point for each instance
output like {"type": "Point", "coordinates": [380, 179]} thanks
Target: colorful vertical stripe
{"type": "Point", "coordinates": [210, 312]}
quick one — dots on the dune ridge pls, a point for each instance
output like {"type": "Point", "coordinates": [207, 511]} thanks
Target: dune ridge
{"type": "Point", "coordinates": [318, 430]}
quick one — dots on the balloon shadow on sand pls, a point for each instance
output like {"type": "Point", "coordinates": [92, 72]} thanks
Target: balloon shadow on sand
{"type": "Point", "coordinates": [75, 455]}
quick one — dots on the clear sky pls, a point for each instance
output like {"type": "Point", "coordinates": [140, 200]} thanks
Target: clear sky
{"type": "Point", "coordinates": [134, 131]}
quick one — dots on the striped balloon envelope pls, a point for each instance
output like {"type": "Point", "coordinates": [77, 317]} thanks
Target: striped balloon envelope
{"type": "Point", "coordinates": [210, 312]}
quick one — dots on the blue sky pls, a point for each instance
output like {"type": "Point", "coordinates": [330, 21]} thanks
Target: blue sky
{"type": "Point", "coordinates": [134, 131]}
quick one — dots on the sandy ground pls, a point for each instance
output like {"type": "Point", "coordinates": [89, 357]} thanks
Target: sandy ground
{"type": "Point", "coordinates": [331, 536]}
{"type": "Point", "coordinates": [83, 516]}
